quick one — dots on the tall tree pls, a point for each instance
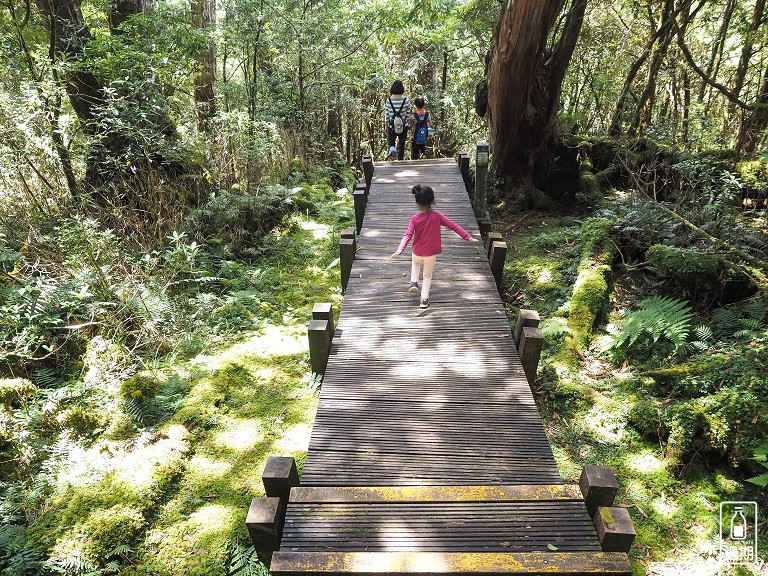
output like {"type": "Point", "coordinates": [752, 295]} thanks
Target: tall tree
{"type": "Point", "coordinates": [204, 19]}
{"type": "Point", "coordinates": [524, 85]}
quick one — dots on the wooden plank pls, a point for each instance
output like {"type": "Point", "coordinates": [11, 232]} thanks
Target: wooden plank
{"type": "Point", "coordinates": [437, 493]}
{"type": "Point", "coordinates": [425, 563]}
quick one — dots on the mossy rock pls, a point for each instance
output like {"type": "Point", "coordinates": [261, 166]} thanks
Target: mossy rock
{"type": "Point", "coordinates": [688, 428]}
{"type": "Point", "coordinates": [645, 417]}
{"type": "Point", "coordinates": [16, 390]}
{"type": "Point", "coordinates": [683, 263]}
{"type": "Point", "coordinates": [140, 387]}
{"type": "Point", "coordinates": [82, 420]}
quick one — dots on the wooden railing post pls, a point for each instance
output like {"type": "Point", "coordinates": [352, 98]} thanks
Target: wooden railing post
{"type": "Point", "coordinates": [598, 486]}
{"type": "Point", "coordinates": [361, 198]}
{"type": "Point", "coordinates": [481, 179]}
{"type": "Point", "coordinates": [368, 172]}
{"type": "Point", "coordinates": [525, 319]}
{"type": "Point", "coordinates": [615, 530]}
{"type": "Point", "coordinates": [266, 516]}
{"type": "Point", "coordinates": [613, 525]}
{"type": "Point", "coordinates": [529, 350]}
{"type": "Point", "coordinates": [279, 476]}
{"type": "Point", "coordinates": [319, 345]}
{"type": "Point", "coordinates": [265, 526]}
{"type": "Point", "coordinates": [347, 247]}
{"type": "Point", "coordinates": [324, 311]}
{"type": "Point", "coordinates": [498, 257]}
{"type": "Point", "coordinates": [491, 238]}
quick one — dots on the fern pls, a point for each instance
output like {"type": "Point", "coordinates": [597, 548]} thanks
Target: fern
{"type": "Point", "coordinates": [244, 562]}
{"type": "Point", "coordinates": [23, 563]}
{"type": "Point", "coordinates": [740, 321]}
{"type": "Point", "coordinates": [761, 456]}
{"type": "Point", "coordinates": [658, 318]}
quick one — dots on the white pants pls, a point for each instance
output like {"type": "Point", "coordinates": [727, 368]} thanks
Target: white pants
{"type": "Point", "coordinates": [429, 265]}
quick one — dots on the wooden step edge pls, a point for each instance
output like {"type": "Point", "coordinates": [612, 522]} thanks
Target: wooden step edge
{"type": "Point", "coordinates": [361, 494]}
{"type": "Point", "coordinates": [429, 563]}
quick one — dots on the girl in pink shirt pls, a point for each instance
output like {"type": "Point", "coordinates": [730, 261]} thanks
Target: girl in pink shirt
{"type": "Point", "coordinates": [424, 228]}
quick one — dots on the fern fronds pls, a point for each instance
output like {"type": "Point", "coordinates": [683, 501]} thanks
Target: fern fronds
{"type": "Point", "coordinates": [657, 318]}
{"type": "Point", "coordinates": [761, 480]}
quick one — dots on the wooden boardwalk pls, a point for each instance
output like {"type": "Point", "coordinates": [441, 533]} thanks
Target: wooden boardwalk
{"type": "Point", "coordinates": [428, 454]}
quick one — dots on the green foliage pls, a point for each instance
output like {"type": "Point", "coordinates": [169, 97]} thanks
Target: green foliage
{"type": "Point", "coordinates": [658, 319]}
{"type": "Point", "coordinates": [238, 221]}
{"type": "Point", "coordinates": [683, 263]}
{"type": "Point", "coordinates": [739, 321]}
{"type": "Point", "coordinates": [761, 456]}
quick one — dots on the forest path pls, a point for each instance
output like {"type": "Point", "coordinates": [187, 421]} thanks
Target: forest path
{"type": "Point", "coordinates": [428, 454]}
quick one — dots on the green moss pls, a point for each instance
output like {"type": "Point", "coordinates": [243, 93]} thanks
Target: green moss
{"type": "Point", "coordinates": [598, 248]}
{"type": "Point", "coordinates": [106, 529]}
{"type": "Point", "coordinates": [16, 390]}
{"type": "Point", "coordinates": [754, 173]}
{"type": "Point", "coordinates": [590, 295]}
{"type": "Point", "coordinates": [681, 262]}
{"type": "Point", "coordinates": [140, 387]}
{"type": "Point", "coordinates": [82, 420]}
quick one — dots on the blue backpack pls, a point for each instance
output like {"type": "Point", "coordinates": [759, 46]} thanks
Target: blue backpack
{"type": "Point", "coordinates": [421, 128]}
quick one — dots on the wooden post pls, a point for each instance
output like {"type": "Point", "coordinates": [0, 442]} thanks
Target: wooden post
{"type": "Point", "coordinates": [481, 179]}
{"type": "Point", "coordinates": [614, 529]}
{"type": "Point", "coordinates": [349, 233]}
{"type": "Point", "coordinates": [530, 352]}
{"type": "Point", "coordinates": [324, 311]}
{"type": "Point", "coordinates": [319, 345]}
{"type": "Point", "coordinates": [485, 226]}
{"type": "Point", "coordinates": [598, 487]}
{"type": "Point", "coordinates": [279, 476]}
{"type": "Point", "coordinates": [526, 319]}
{"type": "Point", "coordinates": [346, 257]}
{"type": "Point", "coordinates": [265, 525]}
{"type": "Point", "coordinates": [360, 200]}
{"type": "Point", "coordinates": [492, 237]}
{"type": "Point", "coordinates": [464, 166]}
{"type": "Point", "coordinates": [498, 257]}
{"type": "Point", "coordinates": [368, 171]}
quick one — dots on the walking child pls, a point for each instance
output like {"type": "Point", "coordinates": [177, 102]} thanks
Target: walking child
{"type": "Point", "coordinates": [421, 122]}
{"type": "Point", "coordinates": [424, 228]}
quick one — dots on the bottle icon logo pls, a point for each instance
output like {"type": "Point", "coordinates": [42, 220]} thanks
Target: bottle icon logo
{"type": "Point", "coordinates": [738, 532]}
{"type": "Point", "coordinates": [738, 524]}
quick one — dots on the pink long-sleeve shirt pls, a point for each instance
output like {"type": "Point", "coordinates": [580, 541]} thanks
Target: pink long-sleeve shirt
{"type": "Point", "coordinates": [424, 227]}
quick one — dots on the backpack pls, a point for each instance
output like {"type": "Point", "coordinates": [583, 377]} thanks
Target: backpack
{"type": "Point", "coordinates": [421, 128]}
{"type": "Point", "coordinates": [396, 122]}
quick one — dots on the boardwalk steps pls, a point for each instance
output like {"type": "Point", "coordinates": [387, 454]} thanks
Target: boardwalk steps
{"type": "Point", "coordinates": [428, 455]}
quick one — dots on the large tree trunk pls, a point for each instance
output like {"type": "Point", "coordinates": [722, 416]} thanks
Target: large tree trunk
{"type": "Point", "coordinates": [204, 18]}
{"type": "Point", "coordinates": [753, 127]}
{"type": "Point", "coordinates": [524, 85]}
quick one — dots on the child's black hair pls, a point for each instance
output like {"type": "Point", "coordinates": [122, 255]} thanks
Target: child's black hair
{"type": "Point", "coordinates": [397, 87]}
{"type": "Point", "coordinates": [419, 101]}
{"type": "Point", "coordinates": [425, 196]}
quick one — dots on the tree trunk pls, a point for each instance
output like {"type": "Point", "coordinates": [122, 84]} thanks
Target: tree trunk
{"type": "Point", "coordinates": [121, 10]}
{"type": "Point", "coordinates": [756, 122]}
{"type": "Point", "coordinates": [524, 85]}
{"type": "Point", "coordinates": [645, 104]}
{"type": "Point", "coordinates": [716, 54]}
{"type": "Point", "coordinates": [204, 18]}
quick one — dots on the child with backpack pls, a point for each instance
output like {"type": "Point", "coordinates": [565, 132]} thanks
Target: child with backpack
{"type": "Point", "coordinates": [421, 123]}
{"type": "Point", "coordinates": [425, 229]}
{"type": "Point", "coordinates": [396, 113]}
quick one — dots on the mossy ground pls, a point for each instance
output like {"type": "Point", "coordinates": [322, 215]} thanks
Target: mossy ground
{"type": "Point", "coordinates": [160, 481]}
{"type": "Point", "coordinates": [587, 407]}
